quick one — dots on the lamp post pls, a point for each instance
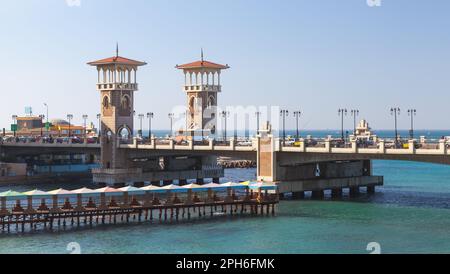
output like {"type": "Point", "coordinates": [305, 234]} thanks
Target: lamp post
{"type": "Point", "coordinates": [412, 113]}
{"type": "Point", "coordinates": [14, 127]}
{"type": "Point", "coordinates": [342, 112]}
{"type": "Point", "coordinates": [297, 115]}
{"type": "Point", "coordinates": [99, 133]}
{"type": "Point", "coordinates": [394, 112]}
{"type": "Point", "coordinates": [171, 116]}
{"type": "Point", "coordinates": [225, 115]}
{"type": "Point", "coordinates": [150, 117]}
{"type": "Point", "coordinates": [85, 117]}
{"type": "Point", "coordinates": [42, 118]}
{"type": "Point", "coordinates": [141, 117]}
{"type": "Point", "coordinates": [47, 125]}
{"type": "Point", "coordinates": [69, 118]}
{"type": "Point", "coordinates": [258, 114]}
{"type": "Point", "coordinates": [284, 113]}
{"type": "Point", "coordinates": [355, 113]}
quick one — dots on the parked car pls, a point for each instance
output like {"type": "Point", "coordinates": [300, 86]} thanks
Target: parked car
{"type": "Point", "coordinates": [77, 140]}
{"type": "Point", "coordinates": [92, 140]}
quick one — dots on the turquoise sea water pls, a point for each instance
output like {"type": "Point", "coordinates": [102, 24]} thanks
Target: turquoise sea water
{"type": "Point", "coordinates": [410, 214]}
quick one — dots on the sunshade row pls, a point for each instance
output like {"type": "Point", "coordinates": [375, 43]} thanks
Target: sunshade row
{"type": "Point", "coordinates": [134, 190]}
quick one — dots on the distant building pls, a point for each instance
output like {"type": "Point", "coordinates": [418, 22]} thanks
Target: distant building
{"type": "Point", "coordinates": [35, 126]}
{"type": "Point", "coordinates": [60, 128]}
{"type": "Point", "coordinates": [29, 125]}
{"type": "Point", "coordinates": [363, 131]}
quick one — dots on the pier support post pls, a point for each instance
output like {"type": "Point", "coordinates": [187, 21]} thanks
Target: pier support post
{"type": "Point", "coordinates": [318, 194]}
{"type": "Point", "coordinates": [156, 183]}
{"type": "Point", "coordinates": [336, 193]}
{"type": "Point", "coordinates": [200, 181]}
{"type": "Point", "coordinates": [354, 191]}
{"type": "Point", "coordinates": [298, 195]}
{"type": "Point", "coordinates": [167, 182]}
{"type": "Point", "coordinates": [139, 184]}
{"type": "Point", "coordinates": [371, 190]}
{"type": "Point", "coordinates": [182, 182]}
{"type": "Point", "coordinates": [216, 180]}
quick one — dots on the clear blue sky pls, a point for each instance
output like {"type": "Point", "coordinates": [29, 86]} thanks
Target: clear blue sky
{"type": "Point", "coordinates": [312, 55]}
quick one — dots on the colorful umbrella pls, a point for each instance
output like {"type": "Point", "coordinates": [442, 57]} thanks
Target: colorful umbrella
{"type": "Point", "coordinates": [60, 192]}
{"type": "Point", "coordinates": [84, 191]}
{"type": "Point", "coordinates": [109, 191]}
{"type": "Point", "coordinates": [214, 186]}
{"type": "Point", "coordinates": [195, 187]}
{"type": "Point", "coordinates": [152, 188]}
{"type": "Point", "coordinates": [233, 185]}
{"type": "Point", "coordinates": [263, 186]}
{"type": "Point", "coordinates": [174, 188]}
{"type": "Point", "coordinates": [36, 192]}
{"type": "Point", "coordinates": [132, 189]}
{"type": "Point", "coordinates": [245, 183]}
{"type": "Point", "coordinates": [12, 194]}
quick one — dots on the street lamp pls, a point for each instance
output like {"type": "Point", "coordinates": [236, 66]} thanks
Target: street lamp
{"type": "Point", "coordinates": [85, 117]}
{"type": "Point", "coordinates": [412, 113]}
{"type": "Point", "coordinates": [69, 118]}
{"type": "Point", "coordinates": [171, 116]}
{"type": "Point", "coordinates": [47, 126]}
{"type": "Point", "coordinates": [225, 115]}
{"type": "Point", "coordinates": [42, 118]}
{"type": "Point", "coordinates": [342, 112]}
{"type": "Point", "coordinates": [395, 111]}
{"type": "Point", "coordinates": [355, 113]}
{"type": "Point", "coordinates": [297, 115]}
{"type": "Point", "coordinates": [284, 113]}
{"type": "Point", "coordinates": [258, 114]}
{"type": "Point", "coordinates": [150, 117]}
{"type": "Point", "coordinates": [14, 127]}
{"type": "Point", "coordinates": [99, 117]}
{"type": "Point", "coordinates": [141, 117]}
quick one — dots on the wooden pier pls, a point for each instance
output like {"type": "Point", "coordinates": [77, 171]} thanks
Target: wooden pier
{"type": "Point", "coordinates": [68, 211]}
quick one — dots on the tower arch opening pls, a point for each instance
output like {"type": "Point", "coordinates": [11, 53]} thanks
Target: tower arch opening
{"type": "Point", "coordinates": [124, 133]}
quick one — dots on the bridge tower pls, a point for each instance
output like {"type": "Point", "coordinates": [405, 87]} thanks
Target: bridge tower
{"type": "Point", "coordinates": [117, 82]}
{"type": "Point", "coordinates": [202, 85]}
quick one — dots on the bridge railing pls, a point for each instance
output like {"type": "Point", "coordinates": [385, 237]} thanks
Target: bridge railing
{"type": "Point", "coordinates": [314, 145]}
{"type": "Point", "coordinates": [437, 147]}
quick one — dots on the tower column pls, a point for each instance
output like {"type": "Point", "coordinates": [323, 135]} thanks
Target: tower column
{"type": "Point", "coordinates": [116, 115]}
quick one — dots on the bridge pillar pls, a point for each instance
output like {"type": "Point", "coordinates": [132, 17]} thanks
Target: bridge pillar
{"type": "Point", "coordinates": [443, 146]}
{"type": "Point", "coordinates": [354, 191]}
{"type": "Point", "coordinates": [182, 182]}
{"type": "Point", "coordinates": [156, 183]}
{"type": "Point", "coordinates": [370, 189]}
{"type": "Point", "coordinates": [298, 195]}
{"type": "Point", "coordinates": [167, 182]}
{"type": "Point", "coordinates": [318, 194]}
{"type": "Point", "coordinates": [296, 172]}
{"type": "Point", "coordinates": [336, 193]}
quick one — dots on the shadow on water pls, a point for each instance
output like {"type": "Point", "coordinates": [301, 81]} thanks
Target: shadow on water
{"type": "Point", "coordinates": [146, 225]}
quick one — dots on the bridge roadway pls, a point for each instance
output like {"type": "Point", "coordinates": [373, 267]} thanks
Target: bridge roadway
{"type": "Point", "coordinates": [323, 150]}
